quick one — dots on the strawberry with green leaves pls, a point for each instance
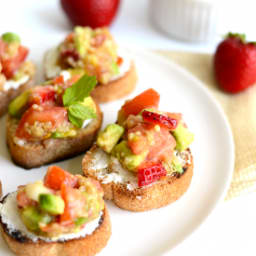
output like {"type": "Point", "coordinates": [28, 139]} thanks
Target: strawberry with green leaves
{"type": "Point", "coordinates": [235, 63]}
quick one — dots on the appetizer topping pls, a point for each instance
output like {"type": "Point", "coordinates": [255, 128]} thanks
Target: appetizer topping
{"type": "Point", "coordinates": [54, 110]}
{"type": "Point", "coordinates": [160, 119]}
{"type": "Point", "coordinates": [108, 138]}
{"type": "Point", "coordinates": [13, 67]}
{"type": "Point", "coordinates": [93, 52]}
{"type": "Point", "coordinates": [147, 99]}
{"type": "Point", "coordinates": [63, 203]}
{"type": "Point", "coordinates": [150, 174]}
{"type": "Point", "coordinates": [145, 141]}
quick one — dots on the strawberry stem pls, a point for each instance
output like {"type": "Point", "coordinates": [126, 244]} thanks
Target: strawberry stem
{"type": "Point", "coordinates": [242, 37]}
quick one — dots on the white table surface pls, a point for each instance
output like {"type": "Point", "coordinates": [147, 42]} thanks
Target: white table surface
{"type": "Point", "coordinates": [230, 230]}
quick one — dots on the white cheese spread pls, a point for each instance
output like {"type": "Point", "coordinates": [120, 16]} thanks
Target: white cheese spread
{"type": "Point", "coordinates": [15, 84]}
{"type": "Point", "coordinates": [10, 216]}
{"type": "Point", "coordinates": [108, 169]}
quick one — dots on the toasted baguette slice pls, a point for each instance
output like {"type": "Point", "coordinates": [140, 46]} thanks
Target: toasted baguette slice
{"type": "Point", "coordinates": [34, 154]}
{"type": "Point", "coordinates": [7, 96]}
{"type": "Point", "coordinates": [102, 93]}
{"type": "Point", "coordinates": [161, 193]}
{"type": "Point", "coordinates": [83, 246]}
{"type": "Point", "coordinates": [116, 89]}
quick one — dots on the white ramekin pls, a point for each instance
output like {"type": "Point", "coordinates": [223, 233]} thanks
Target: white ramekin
{"type": "Point", "coordinates": [192, 20]}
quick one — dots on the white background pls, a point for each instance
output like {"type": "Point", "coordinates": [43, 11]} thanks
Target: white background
{"type": "Point", "coordinates": [230, 230]}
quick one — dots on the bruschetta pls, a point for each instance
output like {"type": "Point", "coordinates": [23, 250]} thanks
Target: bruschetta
{"type": "Point", "coordinates": [94, 52]}
{"type": "Point", "coordinates": [142, 161]}
{"type": "Point", "coordinates": [16, 74]}
{"type": "Point", "coordinates": [62, 215]}
{"type": "Point", "coordinates": [53, 121]}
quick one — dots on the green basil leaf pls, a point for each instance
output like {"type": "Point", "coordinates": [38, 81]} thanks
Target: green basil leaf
{"type": "Point", "coordinates": [79, 90]}
{"type": "Point", "coordinates": [75, 121]}
{"type": "Point", "coordinates": [80, 111]}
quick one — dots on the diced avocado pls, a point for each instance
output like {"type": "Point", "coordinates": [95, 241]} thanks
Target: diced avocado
{"type": "Point", "coordinates": [126, 157]}
{"type": "Point", "coordinates": [32, 217]}
{"type": "Point", "coordinates": [16, 107]}
{"type": "Point", "coordinates": [81, 39]}
{"type": "Point", "coordinates": [76, 71]}
{"type": "Point", "coordinates": [89, 102]}
{"type": "Point", "coordinates": [51, 203]}
{"type": "Point", "coordinates": [33, 190]}
{"type": "Point", "coordinates": [183, 137]}
{"type": "Point", "coordinates": [59, 135]}
{"type": "Point", "coordinates": [10, 37]}
{"type": "Point", "coordinates": [115, 68]}
{"type": "Point", "coordinates": [80, 221]}
{"type": "Point", "coordinates": [109, 137]}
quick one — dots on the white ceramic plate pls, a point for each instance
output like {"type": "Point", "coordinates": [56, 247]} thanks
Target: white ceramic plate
{"type": "Point", "coordinates": [158, 231]}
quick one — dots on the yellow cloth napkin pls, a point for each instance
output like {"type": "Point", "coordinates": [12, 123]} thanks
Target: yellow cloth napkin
{"type": "Point", "coordinates": [241, 112]}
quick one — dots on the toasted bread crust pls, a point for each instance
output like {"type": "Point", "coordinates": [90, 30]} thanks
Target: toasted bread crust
{"type": "Point", "coordinates": [35, 154]}
{"type": "Point", "coordinates": [116, 89]}
{"type": "Point", "coordinates": [157, 195]}
{"type": "Point", "coordinates": [7, 96]}
{"type": "Point", "coordinates": [86, 246]}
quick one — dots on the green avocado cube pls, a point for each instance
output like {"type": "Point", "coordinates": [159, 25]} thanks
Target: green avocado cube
{"type": "Point", "coordinates": [31, 217]}
{"type": "Point", "coordinates": [183, 137]}
{"type": "Point", "coordinates": [51, 203]}
{"type": "Point", "coordinates": [81, 39]}
{"type": "Point", "coordinates": [16, 107]}
{"type": "Point", "coordinates": [109, 137]}
{"type": "Point", "coordinates": [10, 37]}
{"type": "Point", "coordinates": [126, 157]}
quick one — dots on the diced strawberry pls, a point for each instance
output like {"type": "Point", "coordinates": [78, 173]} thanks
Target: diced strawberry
{"type": "Point", "coordinates": [147, 99]}
{"type": "Point", "coordinates": [160, 119]}
{"type": "Point", "coordinates": [55, 115]}
{"type": "Point", "coordinates": [70, 54]}
{"type": "Point", "coordinates": [150, 174]}
{"type": "Point", "coordinates": [56, 176]}
{"type": "Point", "coordinates": [42, 94]}
{"type": "Point", "coordinates": [12, 64]}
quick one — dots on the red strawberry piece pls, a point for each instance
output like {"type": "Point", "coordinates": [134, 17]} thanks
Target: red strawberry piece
{"type": "Point", "coordinates": [150, 174]}
{"type": "Point", "coordinates": [93, 13]}
{"type": "Point", "coordinates": [41, 95]}
{"type": "Point", "coordinates": [160, 119]}
{"type": "Point", "coordinates": [235, 63]}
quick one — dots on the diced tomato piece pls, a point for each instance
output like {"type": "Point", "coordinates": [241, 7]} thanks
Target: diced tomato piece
{"type": "Point", "coordinates": [119, 61]}
{"type": "Point", "coordinates": [56, 176]}
{"type": "Point", "coordinates": [164, 144]}
{"type": "Point", "coordinates": [147, 99]}
{"type": "Point", "coordinates": [58, 80]}
{"type": "Point", "coordinates": [163, 120]}
{"type": "Point", "coordinates": [137, 139]}
{"type": "Point", "coordinates": [158, 142]}
{"type": "Point", "coordinates": [56, 115]}
{"type": "Point", "coordinates": [74, 204]}
{"type": "Point", "coordinates": [12, 64]}
{"type": "Point", "coordinates": [150, 174]}
{"type": "Point", "coordinates": [42, 94]}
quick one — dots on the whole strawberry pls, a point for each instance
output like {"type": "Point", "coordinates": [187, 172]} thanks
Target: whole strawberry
{"type": "Point", "coordinates": [235, 63]}
{"type": "Point", "coordinates": [93, 13]}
